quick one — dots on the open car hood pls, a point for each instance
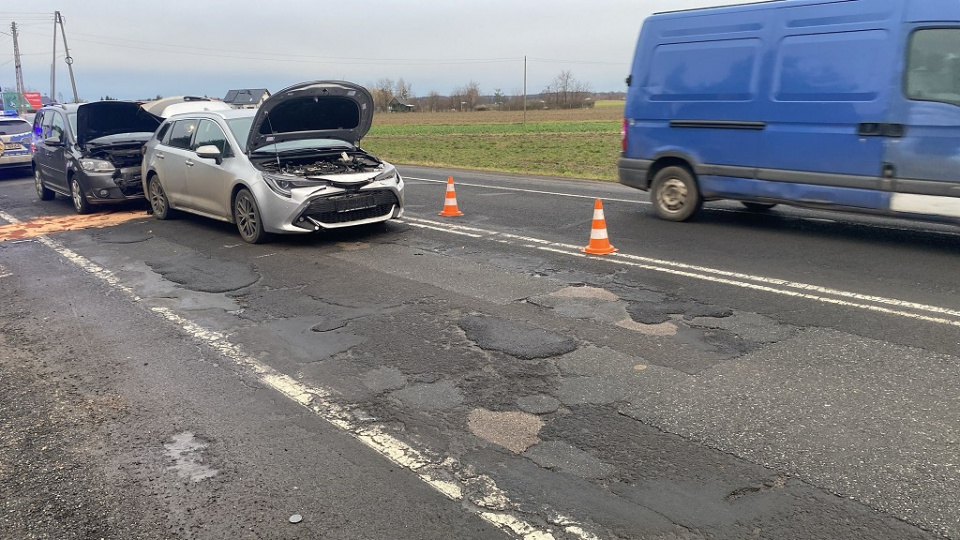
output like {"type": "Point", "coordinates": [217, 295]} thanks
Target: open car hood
{"type": "Point", "coordinates": [169, 106]}
{"type": "Point", "coordinates": [313, 110]}
{"type": "Point", "coordinates": [103, 118]}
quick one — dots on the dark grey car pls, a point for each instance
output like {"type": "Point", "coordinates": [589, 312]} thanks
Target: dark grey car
{"type": "Point", "coordinates": [91, 152]}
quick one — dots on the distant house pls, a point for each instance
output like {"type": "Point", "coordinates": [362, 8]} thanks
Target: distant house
{"type": "Point", "coordinates": [249, 98]}
{"type": "Point", "coordinates": [401, 105]}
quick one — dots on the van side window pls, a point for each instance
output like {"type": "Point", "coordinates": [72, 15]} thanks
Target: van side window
{"type": "Point", "coordinates": [182, 133]}
{"type": "Point", "coordinates": [933, 65]}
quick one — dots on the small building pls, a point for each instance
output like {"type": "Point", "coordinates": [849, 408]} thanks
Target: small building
{"type": "Point", "coordinates": [249, 98]}
{"type": "Point", "coordinates": [401, 105]}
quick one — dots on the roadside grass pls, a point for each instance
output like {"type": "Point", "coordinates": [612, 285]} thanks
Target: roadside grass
{"type": "Point", "coordinates": [579, 143]}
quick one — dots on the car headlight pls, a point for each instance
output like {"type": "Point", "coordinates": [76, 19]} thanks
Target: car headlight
{"type": "Point", "coordinates": [97, 165]}
{"type": "Point", "coordinates": [282, 185]}
{"type": "Point", "coordinates": [388, 175]}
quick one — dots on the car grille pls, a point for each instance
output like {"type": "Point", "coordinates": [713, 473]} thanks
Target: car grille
{"type": "Point", "coordinates": [349, 207]}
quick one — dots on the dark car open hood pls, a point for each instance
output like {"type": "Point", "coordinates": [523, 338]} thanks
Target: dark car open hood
{"type": "Point", "coordinates": [313, 110]}
{"type": "Point", "coordinates": [103, 118]}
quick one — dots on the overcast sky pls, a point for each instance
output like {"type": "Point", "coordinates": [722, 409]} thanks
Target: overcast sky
{"type": "Point", "coordinates": [133, 49]}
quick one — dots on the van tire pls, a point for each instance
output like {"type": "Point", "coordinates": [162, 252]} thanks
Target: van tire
{"type": "Point", "coordinates": [674, 194]}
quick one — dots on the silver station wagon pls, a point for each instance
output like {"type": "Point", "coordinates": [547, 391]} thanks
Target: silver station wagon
{"type": "Point", "coordinates": [292, 166]}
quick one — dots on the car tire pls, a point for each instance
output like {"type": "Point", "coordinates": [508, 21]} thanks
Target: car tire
{"type": "Point", "coordinates": [756, 206]}
{"type": "Point", "coordinates": [42, 191]}
{"type": "Point", "coordinates": [158, 199]}
{"type": "Point", "coordinates": [674, 194]}
{"type": "Point", "coordinates": [246, 214]}
{"type": "Point", "coordinates": [80, 202]}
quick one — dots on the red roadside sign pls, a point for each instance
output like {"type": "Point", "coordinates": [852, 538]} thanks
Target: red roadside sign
{"type": "Point", "coordinates": [33, 98]}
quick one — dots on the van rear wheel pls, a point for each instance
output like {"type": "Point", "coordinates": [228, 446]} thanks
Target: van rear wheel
{"type": "Point", "coordinates": [675, 195]}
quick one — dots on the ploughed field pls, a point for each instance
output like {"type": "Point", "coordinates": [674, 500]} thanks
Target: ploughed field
{"type": "Point", "coordinates": [578, 143]}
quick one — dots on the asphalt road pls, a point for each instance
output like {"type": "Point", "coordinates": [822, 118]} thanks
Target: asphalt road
{"type": "Point", "coordinates": [792, 374]}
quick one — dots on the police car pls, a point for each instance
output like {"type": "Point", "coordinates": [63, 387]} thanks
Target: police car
{"type": "Point", "coordinates": [15, 135]}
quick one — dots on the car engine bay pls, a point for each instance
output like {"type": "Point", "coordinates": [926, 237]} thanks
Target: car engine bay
{"type": "Point", "coordinates": [324, 164]}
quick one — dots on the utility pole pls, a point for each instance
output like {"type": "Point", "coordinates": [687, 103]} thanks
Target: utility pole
{"type": "Point", "coordinates": [57, 19]}
{"type": "Point", "coordinates": [53, 64]}
{"type": "Point", "coordinates": [524, 90]}
{"type": "Point", "coordinates": [68, 59]}
{"type": "Point", "coordinates": [16, 58]}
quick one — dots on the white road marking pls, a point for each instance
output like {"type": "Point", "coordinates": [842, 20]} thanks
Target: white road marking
{"type": "Point", "coordinates": [710, 209]}
{"type": "Point", "coordinates": [501, 188]}
{"type": "Point", "coordinates": [438, 472]}
{"type": "Point", "coordinates": [806, 291]}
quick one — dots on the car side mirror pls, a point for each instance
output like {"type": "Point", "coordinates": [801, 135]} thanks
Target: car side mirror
{"type": "Point", "coordinates": [210, 151]}
{"type": "Point", "coordinates": [53, 141]}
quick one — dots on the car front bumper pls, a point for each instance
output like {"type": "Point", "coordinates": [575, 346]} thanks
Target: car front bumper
{"type": "Point", "coordinates": [331, 207]}
{"type": "Point", "coordinates": [108, 187]}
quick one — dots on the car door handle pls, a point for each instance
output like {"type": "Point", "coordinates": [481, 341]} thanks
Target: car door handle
{"type": "Point", "coordinates": [159, 155]}
{"type": "Point", "coordinates": [189, 163]}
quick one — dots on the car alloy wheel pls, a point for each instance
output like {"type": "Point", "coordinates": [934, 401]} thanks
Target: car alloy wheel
{"type": "Point", "coordinates": [80, 203]}
{"type": "Point", "coordinates": [247, 216]}
{"type": "Point", "coordinates": [42, 191]}
{"type": "Point", "coordinates": [158, 199]}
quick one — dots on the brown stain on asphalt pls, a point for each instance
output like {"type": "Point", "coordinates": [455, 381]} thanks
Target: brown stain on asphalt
{"type": "Point", "coordinates": [50, 225]}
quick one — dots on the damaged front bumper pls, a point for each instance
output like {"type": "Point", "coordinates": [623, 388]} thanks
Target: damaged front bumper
{"type": "Point", "coordinates": [334, 207]}
{"type": "Point", "coordinates": [123, 184]}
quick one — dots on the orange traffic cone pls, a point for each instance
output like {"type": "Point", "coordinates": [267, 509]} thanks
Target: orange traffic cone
{"type": "Point", "coordinates": [599, 242]}
{"type": "Point", "coordinates": [450, 202]}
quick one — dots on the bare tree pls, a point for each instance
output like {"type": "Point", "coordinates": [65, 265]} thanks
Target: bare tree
{"type": "Point", "coordinates": [383, 94]}
{"type": "Point", "coordinates": [404, 90]}
{"type": "Point", "coordinates": [566, 92]}
{"type": "Point", "coordinates": [432, 102]}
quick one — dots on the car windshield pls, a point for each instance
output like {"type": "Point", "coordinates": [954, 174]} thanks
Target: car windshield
{"type": "Point", "coordinates": [14, 127]}
{"type": "Point", "coordinates": [72, 117]}
{"type": "Point", "coordinates": [302, 144]}
{"type": "Point", "coordinates": [240, 127]}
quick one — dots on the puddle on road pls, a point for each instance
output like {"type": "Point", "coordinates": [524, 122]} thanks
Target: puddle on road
{"type": "Point", "coordinates": [187, 453]}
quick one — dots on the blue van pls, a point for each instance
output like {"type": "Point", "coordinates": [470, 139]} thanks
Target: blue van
{"type": "Point", "coordinates": [831, 104]}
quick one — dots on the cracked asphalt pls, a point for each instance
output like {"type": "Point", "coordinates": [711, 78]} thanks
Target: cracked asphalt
{"type": "Point", "coordinates": [585, 400]}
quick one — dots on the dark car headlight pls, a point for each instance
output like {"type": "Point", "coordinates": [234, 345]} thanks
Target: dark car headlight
{"type": "Point", "coordinates": [283, 185]}
{"type": "Point", "coordinates": [97, 165]}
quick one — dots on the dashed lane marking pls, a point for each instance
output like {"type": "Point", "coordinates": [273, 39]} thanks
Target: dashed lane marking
{"type": "Point", "coordinates": [21, 230]}
{"type": "Point", "coordinates": [439, 472]}
{"type": "Point", "coordinates": [826, 295]}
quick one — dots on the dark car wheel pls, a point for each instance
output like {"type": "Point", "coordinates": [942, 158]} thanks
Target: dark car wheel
{"type": "Point", "coordinates": [80, 203]}
{"type": "Point", "coordinates": [158, 199]}
{"type": "Point", "coordinates": [756, 206]}
{"type": "Point", "coordinates": [246, 214]}
{"type": "Point", "coordinates": [42, 191]}
{"type": "Point", "coordinates": [675, 195]}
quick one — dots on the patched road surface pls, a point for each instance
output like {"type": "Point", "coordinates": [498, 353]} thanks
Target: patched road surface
{"type": "Point", "coordinates": [478, 377]}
